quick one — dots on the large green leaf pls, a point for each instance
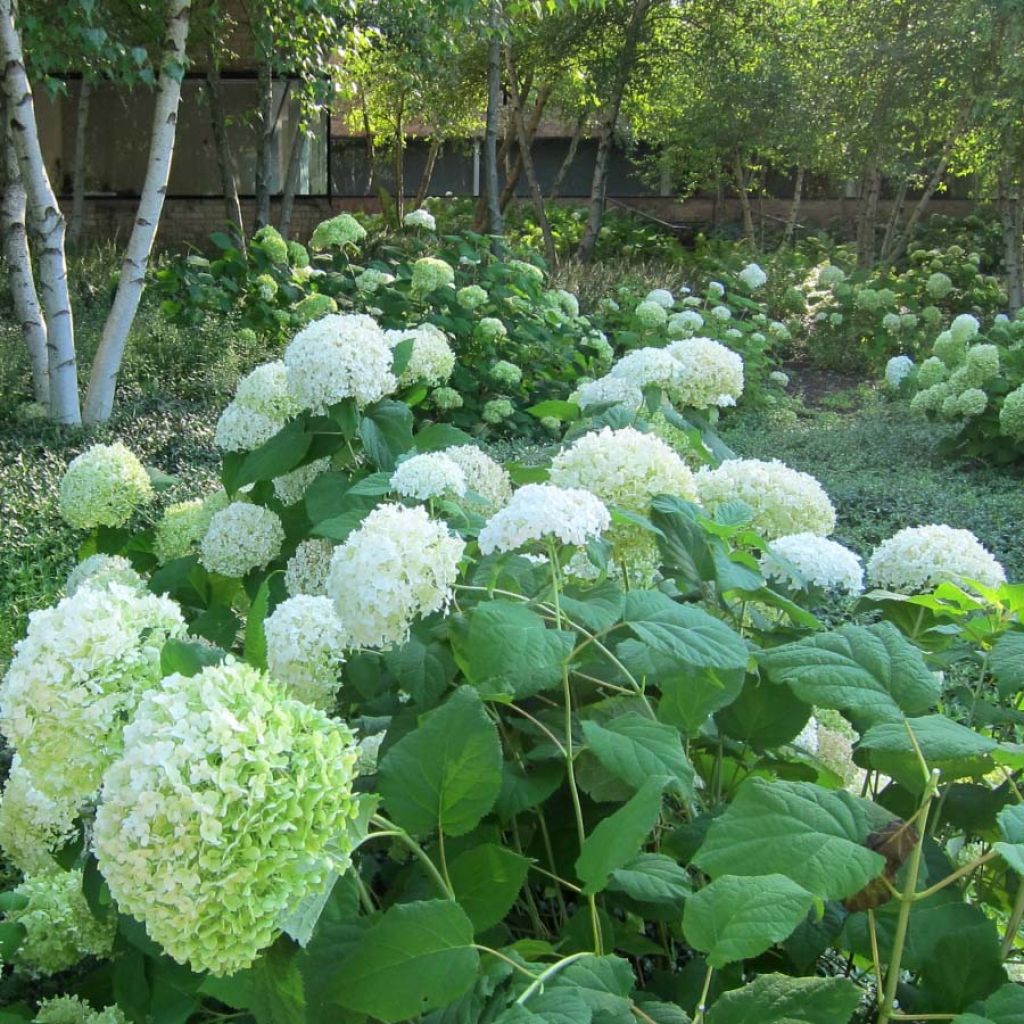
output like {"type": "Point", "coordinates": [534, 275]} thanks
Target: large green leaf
{"type": "Point", "coordinates": [603, 982]}
{"type": "Point", "coordinates": [1006, 661]}
{"type": "Point", "coordinates": [764, 716]}
{"type": "Point", "coordinates": [635, 749]}
{"type": "Point", "coordinates": [445, 774]}
{"type": "Point", "coordinates": [422, 667]}
{"type": "Point", "coordinates": [486, 880]}
{"type": "Point", "coordinates": [555, 1006]}
{"type": "Point", "coordinates": [617, 838]}
{"type": "Point", "coordinates": [964, 966]}
{"type": "Point", "coordinates": [872, 671]}
{"type": "Point", "coordinates": [280, 455]}
{"type": "Point", "coordinates": [416, 957]}
{"type": "Point", "coordinates": [811, 835]}
{"type": "Point", "coordinates": [276, 992]}
{"type": "Point", "coordinates": [652, 878]}
{"type": "Point", "coordinates": [735, 917]}
{"type": "Point", "coordinates": [1005, 1006]}
{"type": "Point", "coordinates": [386, 430]}
{"type": "Point", "coordinates": [779, 999]}
{"type": "Point", "coordinates": [1011, 828]}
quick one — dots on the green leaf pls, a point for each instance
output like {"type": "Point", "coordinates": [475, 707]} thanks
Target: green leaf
{"type": "Point", "coordinates": [423, 668]}
{"type": "Point", "coordinates": [617, 839]}
{"type": "Point", "coordinates": [734, 917]}
{"type": "Point", "coordinates": [683, 632]}
{"type": "Point", "coordinates": [277, 995]}
{"type": "Point", "coordinates": [872, 671]}
{"type": "Point", "coordinates": [555, 1006]}
{"type": "Point", "coordinates": [1011, 828]}
{"type": "Point", "coordinates": [400, 356]}
{"type": "Point", "coordinates": [764, 716]}
{"type": "Point", "coordinates": [521, 790]}
{"type": "Point", "coordinates": [596, 608]}
{"type": "Point", "coordinates": [652, 878]}
{"type": "Point", "coordinates": [509, 648]}
{"type": "Point", "coordinates": [779, 999]}
{"type": "Point", "coordinates": [280, 455]}
{"type": "Point", "coordinates": [439, 436]}
{"type": "Point", "coordinates": [188, 658]}
{"type": "Point", "coordinates": [1005, 1006]}
{"type": "Point", "coordinates": [445, 774]}
{"type": "Point", "coordinates": [811, 835]}
{"type": "Point", "coordinates": [1006, 661]}
{"type": "Point", "coordinates": [416, 957]}
{"type": "Point", "coordinates": [486, 880]}
{"type": "Point", "coordinates": [566, 412]}
{"type": "Point", "coordinates": [255, 637]}
{"type": "Point", "coordinates": [636, 749]}
{"type": "Point", "coordinates": [386, 431]}
{"type": "Point", "coordinates": [603, 982]}
{"type": "Point", "coordinates": [964, 966]}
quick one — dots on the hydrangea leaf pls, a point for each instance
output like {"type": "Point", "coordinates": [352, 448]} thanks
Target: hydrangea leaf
{"type": "Point", "coordinates": [255, 635]}
{"type": "Point", "coordinates": [280, 455]}
{"type": "Point", "coordinates": [445, 774]}
{"type": "Point", "coordinates": [422, 667]}
{"type": "Point", "coordinates": [618, 837]}
{"type": "Point", "coordinates": [603, 982]}
{"type": "Point", "coordinates": [386, 432]}
{"type": "Point", "coordinates": [1006, 660]}
{"type": "Point", "coordinates": [780, 999]}
{"type": "Point", "coordinates": [764, 716]}
{"type": "Point", "coordinates": [1004, 1006]}
{"type": "Point", "coordinates": [188, 658]}
{"type": "Point", "coordinates": [872, 671]}
{"type": "Point", "coordinates": [597, 608]}
{"type": "Point", "coordinates": [556, 1006]}
{"type": "Point", "coordinates": [809, 834]}
{"type": "Point", "coordinates": [416, 957]}
{"type": "Point", "coordinates": [486, 880]}
{"type": "Point", "coordinates": [439, 436]}
{"type": "Point", "coordinates": [1011, 828]}
{"type": "Point", "coordinates": [636, 749]}
{"type": "Point", "coordinates": [276, 990]}
{"type": "Point", "coordinates": [734, 918]}
{"type": "Point", "coordinates": [652, 878]}
{"type": "Point", "coordinates": [964, 966]}
{"type": "Point", "coordinates": [521, 790]}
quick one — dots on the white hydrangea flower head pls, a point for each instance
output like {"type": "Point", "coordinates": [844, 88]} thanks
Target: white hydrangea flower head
{"type": "Point", "coordinates": [892, 322]}
{"type": "Point", "coordinates": [540, 512]}
{"type": "Point", "coordinates": [305, 648]}
{"type": "Point", "coordinates": [74, 1010]}
{"type": "Point", "coordinates": [897, 370]}
{"type": "Point", "coordinates": [183, 526]}
{"type": "Point", "coordinates": [33, 826]}
{"type": "Point", "coordinates": [432, 359]}
{"type": "Point", "coordinates": [528, 269]}
{"type": "Point", "coordinates": [964, 328]}
{"type": "Point", "coordinates": [721, 312]}
{"type": "Point", "coordinates": [1011, 415]}
{"type": "Point", "coordinates": [933, 371]}
{"type": "Point", "coordinates": [337, 232]}
{"type": "Point", "coordinates": [753, 277]}
{"type": "Point", "coordinates": [291, 488]}
{"type": "Point", "coordinates": [919, 558]}
{"type": "Point", "coordinates": [497, 410]}
{"type": "Point", "coordinates": [779, 377]}
{"type": "Point", "coordinates": [240, 538]}
{"type": "Point", "coordinates": [662, 296]}
{"type": "Point", "coordinates": [685, 324]}
{"type": "Point", "coordinates": [372, 279]}
{"type": "Point", "coordinates": [99, 570]}
{"type": "Point", "coordinates": [60, 929]}
{"type": "Point", "coordinates": [506, 373]}
{"type": "Point", "coordinates": [820, 561]}
{"type": "Point", "coordinates": [609, 391]}
{"type": "Point", "coordinates": [651, 315]}
{"type": "Point", "coordinates": [716, 289]}
{"type": "Point", "coordinates": [830, 275]}
{"type": "Point", "coordinates": [429, 274]}
{"type": "Point", "coordinates": [471, 297]}
{"type": "Point", "coordinates": [242, 430]}
{"type": "Point", "coordinates": [420, 218]}
{"type": "Point", "coordinates": [337, 357]}
{"type": "Point", "coordinates": [428, 475]}
{"type": "Point", "coordinates": [265, 390]}
{"type": "Point", "coordinates": [972, 402]}
{"type": "Point", "coordinates": [982, 363]}
{"type": "Point", "coordinates": [784, 500]}
{"type": "Point", "coordinates": [491, 328]}
{"type": "Point", "coordinates": [398, 566]}
{"type": "Point", "coordinates": [446, 398]}
{"type": "Point", "coordinates": [644, 367]}
{"type": "Point", "coordinates": [712, 375]}
{"type": "Point", "coordinates": [597, 341]}
{"type": "Point", "coordinates": [228, 807]}
{"type": "Point", "coordinates": [103, 487]}
{"type": "Point", "coordinates": [75, 679]}
{"type": "Point", "coordinates": [938, 285]}
{"type": "Point", "coordinates": [306, 571]}
{"type": "Point", "coordinates": [564, 301]}
{"type": "Point", "coordinates": [485, 478]}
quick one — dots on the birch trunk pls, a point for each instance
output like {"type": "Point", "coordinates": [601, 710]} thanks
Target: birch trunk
{"type": "Point", "coordinates": [300, 150]}
{"type": "Point", "coordinates": [265, 152]}
{"type": "Point", "coordinates": [509, 190]}
{"type": "Point", "coordinates": [742, 189]}
{"type": "Point", "coordinates": [794, 207]}
{"type": "Point", "coordinates": [99, 399]}
{"type": "Point", "coordinates": [225, 158]}
{"type": "Point", "coordinates": [428, 173]}
{"type": "Point", "coordinates": [47, 225]}
{"type": "Point", "coordinates": [892, 231]}
{"type": "Point", "coordinates": [495, 223]}
{"type": "Point", "coordinates": [570, 156]}
{"type": "Point", "coordinates": [78, 167]}
{"type": "Point", "coordinates": [19, 261]}
{"type": "Point", "coordinates": [871, 188]}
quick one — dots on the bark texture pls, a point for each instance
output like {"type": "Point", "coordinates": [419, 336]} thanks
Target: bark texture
{"type": "Point", "coordinates": [225, 158]}
{"type": "Point", "coordinates": [78, 167]}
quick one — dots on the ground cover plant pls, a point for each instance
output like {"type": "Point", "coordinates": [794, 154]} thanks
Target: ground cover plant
{"type": "Point", "coordinates": [370, 727]}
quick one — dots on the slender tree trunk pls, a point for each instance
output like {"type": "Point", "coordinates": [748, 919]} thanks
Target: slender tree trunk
{"type": "Point", "coordinates": [225, 158]}
{"type": "Point", "coordinates": [794, 207]}
{"type": "Point", "coordinates": [1011, 216]}
{"type": "Point", "coordinates": [495, 223]}
{"type": "Point", "coordinates": [99, 399]}
{"type": "Point", "coordinates": [46, 222]}
{"type": "Point", "coordinates": [265, 152]}
{"type": "Point", "coordinates": [78, 167]}
{"type": "Point", "coordinates": [509, 190]}
{"type": "Point", "coordinates": [300, 149]}
{"type": "Point", "coordinates": [526, 159]}
{"type": "Point", "coordinates": [599, 182]}
{"type": "Point", "coordinates": [893, 223]}
{"type": "Point", "coordinates": [742, 190]}
{"type": "Point", "coordinates": [398, 163]}
{"type": "Point", "coordinates": [480, 211]}
{"type": "Point", "coordinates": [428, 173]}
{"type": "Point", "coordinates": [570, 156]}
{"type": "Point", "coordinates": [371, 149]}
{"type": "Point", "coordinates": [19, 262]}
{"type": "Point", "coordinates": [871, 188]}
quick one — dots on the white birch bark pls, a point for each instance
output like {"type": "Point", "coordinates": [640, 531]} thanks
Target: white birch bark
{"type": "Point", "coordinates": [99, 399]}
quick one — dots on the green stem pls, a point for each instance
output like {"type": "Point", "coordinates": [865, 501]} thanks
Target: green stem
{"type": "Point", "coordinates": [1016, 915]}
{"type": "Point", "coordinates": [959, 873]}
{"type": "Point", "coordinates": [507, 959]}
{"type": "Point", "coordinates": [389, 828]}
{"type": "Point", "coordinates": [539, 980]}
{"type": "Point", "coordinates": [702, 1004]}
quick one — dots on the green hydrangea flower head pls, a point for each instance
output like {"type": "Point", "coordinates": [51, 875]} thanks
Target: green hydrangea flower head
{"type": "Point", "coordinates": [337, 232]}
{"type": "Point", "coordinates": [230, 805]}
{"type": "Point", "coordinates": [1011, 415]}
{"type": "Point", "coordinates": [497, 410]}
{"type": "Point", "coordinates": [371, 279]}
{"type": "Point", "coordinates": [446, 398]}
{"type": "Point", "coordinates": [103, 487]}
{"type": "Point", "coordinates": [983, 362]}
{"type": "Point", "coordinates": [33, 825]}
{"type": "Point", "coordinates": [949, 349]}
{"type": "Point", "coordinates": [74, 1010]}
{"type": "Point", "coordinates": [651, 315]}
{"type": "Point", "coordinates": [491, 328]}
{"type": "Point", "coordinates": [526, 269]}
{"type": "Point", "coordinates": [272, 244]}
{"type": "Point", "coordinates": [471, 297]}
{"type": "Point", "coordinates": [931, 316]}
{"type": "Point", "coordinates": [931, 372]}
{"type": "Point", "coordinates": [266, 287]}
{"type": "Point", "coordinates": [99, 570]}
{"type": "Point", "coordinates": [504, 372]}
{"type": "Point", "coordinates": [429, 274]}
{"type": "Point", "coordinates": [931, 399]}
{"type": "Point", "coordinates": [867, 299]}
{"type": "Point", "coordinates": [313, 307]}
{"type": "Point", "coordinates": [972, 402]}
{"type": "Point", "coordinates": [298, 255]}
{"type": "Point", "coordinates": [964, 328]}
{"type": "Point", "coordinates": [938, 285]}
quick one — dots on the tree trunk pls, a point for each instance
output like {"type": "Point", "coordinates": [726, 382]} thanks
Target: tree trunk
{"type": "Point", "coordinates": [1011, 215]}
{"type": "Point", "coordinates": [225, 158]}
{"type": "Point", "coordinates": [794, 207]}
{"type": "Point", "coordinates": [99, 399]}
{"type": "Point", "coordinates": [893, 223]}
{"type": "Point", "coordinates": [599, 182]}
{"type": "Point", "coordinates": [398, 163]}
{"type": "Point", "coordinates": [509, 190]}
{"type": "Point", "coordinates": [495, 223]}
{"type": "Point", "coordinates": [871, 188]}
{"type": "Point", "coordinates": [428, 173]}
{"type": "Point", "coordinates": [526, 160]}
{"type": "Point", "coordinates": [742, 190]}
{"type": "Point", "coordinates": [265, 152]}
{"type": "Point", "coordinates": [570, 156]}
{"type": "Point", "coordinates": [27, 310]}
{"type": "Point", "coordinates": [46, 222]}
{"type": "Point", "coordinates": [371, 150]}
{"type": "Point", "coordinates": [78, 168]}
{"type": "Point", "coordinates": [300, 149]}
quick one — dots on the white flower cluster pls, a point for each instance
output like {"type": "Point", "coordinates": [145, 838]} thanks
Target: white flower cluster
{"type": "Point", "coordinates": [103, 487]}
{"type": "Point", "coordinates": [651, 314]}
{"type": "Point", "coordinates": [538, 512]}
{"type": "Point", "coordinates": [99, 570]}
{"type": "Point", "coordinates": [371, 279]}
{"type": "Point", "coordinates": [339, 356]}
{"type": "Point", "coordinates": [260, 408]}
{"type": "Point", "coordinates": [685, 324]}
{"type": "Point", "coordinates": [820, 561]}
{"type": "Point", "coordinates": [486, 480]}
{"type": "Point", "coordinates": [609, 391]}
{"type": "Point", "coordinates": [216, 820]}
{"type": "Point", "coordinates": [32, 824]}
{"type": "Point", "coordinates": [921, 557]}
{"type": "Point", "coordinates": [74, 1010]}
{"type": "Point", "coordinates": [784, 500]}
{"type": "Point", "coordinates": [662, 296]}
{"type": "Point", "coordinates": [644, 367]}
{"type": "Point", "coordinates": [305, 648]}
{"type": "Point", "coordinates": [306, 571]}
{"type": "Point", "coordinates": [428, 475]}
{"type": "Point", "coordinates": [712, 375]}
{"type": "Point", "coordinates": [830, 275]}
{"type": "Point", "coordinates": [420, 218]}
{"type": "Point", "coordinates": [753, 276]}
{"type": "Point", "coordinates": [240, 538]}
{"type": "Point", "coordinates": [429, 274]}
{"type": "Point", "coordinates": [76, 677]}
{"type": "Point", "coordinates": [897, 370]}
{"type": "Point", "coordinates": [291, 488]}
{"type": "Point", "coordinates": [183, 526]}
{"type": "Point", "coordinates": [400, 564]}
{"type": "Point", "coordinates": [432, 359]}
